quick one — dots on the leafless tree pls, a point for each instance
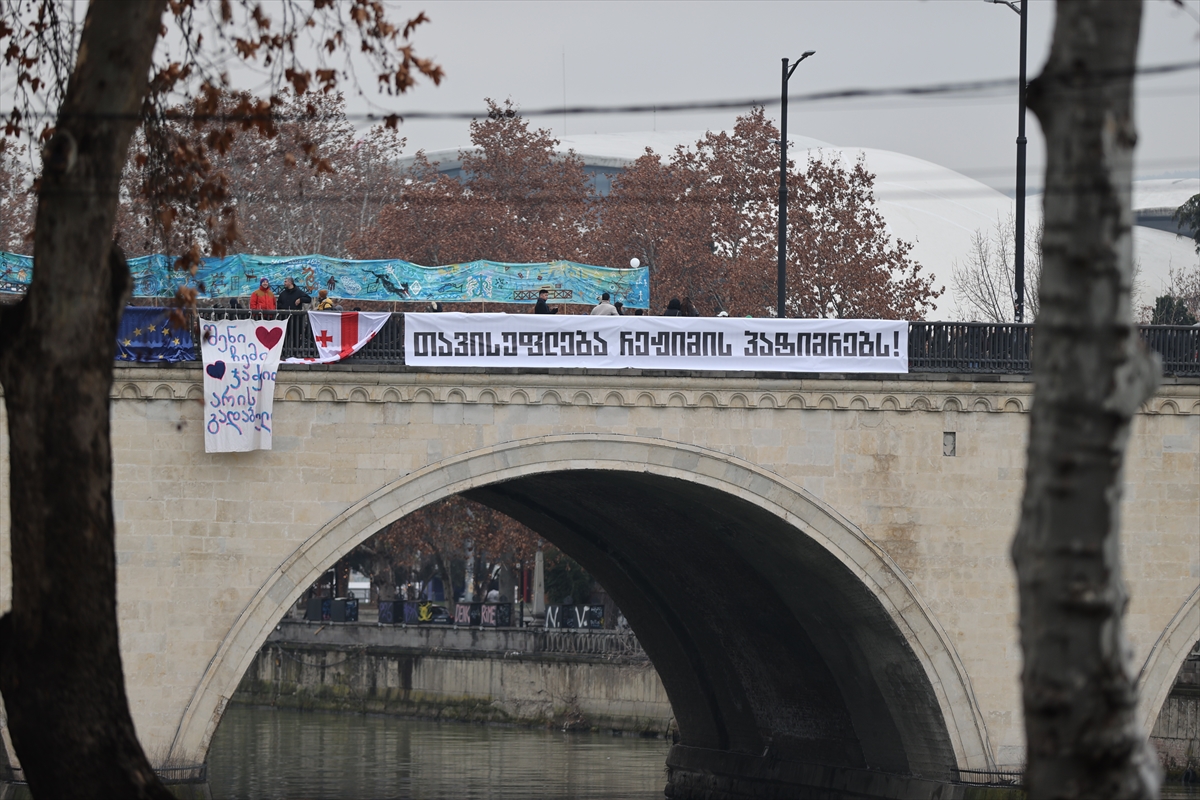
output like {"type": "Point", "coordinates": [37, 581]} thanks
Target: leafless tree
{"type": "Point", "coordinates": [16, 201]}
{"type": "Point", "coordinates": [281, 207]}
{"type": "Point", "coordinates": [985, 280]}
{"type": "Point", "coordinates": [1184, 285]}
{"type": "Point", "coordinates": [60, 658]}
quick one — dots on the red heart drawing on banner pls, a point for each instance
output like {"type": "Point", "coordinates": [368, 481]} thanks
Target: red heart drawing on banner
{"type": "Point", "coordinates": [216, 369]}
{"type": "Point", "coordinates": [268, 336]}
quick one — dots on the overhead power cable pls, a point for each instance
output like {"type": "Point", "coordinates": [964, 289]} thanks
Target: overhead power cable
{"type": "Point", "coordinates": [965, 89]}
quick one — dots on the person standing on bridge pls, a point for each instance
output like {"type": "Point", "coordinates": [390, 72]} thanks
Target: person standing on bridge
{"type": "Point", "coordinates": [324, 302]}
{"type": "Point", "coordinates": [605, 307]}
{"type": "Point", "coordinates": [263, 298]}
{"type": "Point", "coordinates": [541, 306]}
{"type": "Point", "coordinates": [291, 298]}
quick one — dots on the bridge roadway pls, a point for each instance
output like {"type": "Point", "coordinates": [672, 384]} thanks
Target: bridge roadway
{"type": "Point", "coordinates": [818, 567]}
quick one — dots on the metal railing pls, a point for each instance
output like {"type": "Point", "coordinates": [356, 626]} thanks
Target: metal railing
{"type": "Point", "coordinates": [1179, 347]}
{"type": "Point", "coordinates": [999, 776]}
{"type": "Point", "coordinates": [968, 348]}
{"type": "Point", "coordinates": [190, 773]}
{"type": "Point", "coordinates": [1189, 673]}
{"type": "Point", "coordinates": [611, 644]}
{"type": "Point", "coordinates": [387, 347]}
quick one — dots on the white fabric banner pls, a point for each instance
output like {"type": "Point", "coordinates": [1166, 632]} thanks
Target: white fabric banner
{"type": "Point", "coordinates": [340, 334]}
{"type": "Point", "coordinates": [241, 357]}
{"type": "Point", "coordinates": [690, 343]}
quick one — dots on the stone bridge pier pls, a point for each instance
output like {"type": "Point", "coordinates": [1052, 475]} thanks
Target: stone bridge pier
{"type": "Point", "coordinates": [818, 568]}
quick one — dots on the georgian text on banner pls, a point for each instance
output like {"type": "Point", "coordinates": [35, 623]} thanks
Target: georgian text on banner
{"type": "Point", "coordinates": [241, 358]}
{"type": "Point", "coordinates": [686, 343]}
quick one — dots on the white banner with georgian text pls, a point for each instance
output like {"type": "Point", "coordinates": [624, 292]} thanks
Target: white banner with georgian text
{"type": "Point", "coordinates": [241, 357]}
{"type": "Point", "coordinates": [686, 343]}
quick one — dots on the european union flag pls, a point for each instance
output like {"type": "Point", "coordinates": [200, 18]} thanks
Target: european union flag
{"type": "Point", "coordinates": [145, 334]}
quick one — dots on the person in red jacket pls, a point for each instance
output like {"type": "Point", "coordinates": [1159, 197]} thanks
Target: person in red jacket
{"type": "Point", "coordinates": [263, 299]}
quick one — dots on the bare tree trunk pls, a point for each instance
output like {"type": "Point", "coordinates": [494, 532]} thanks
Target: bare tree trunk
{"type": "Point", "coordinates": [447, 579]}
{"type": "Point", "coordinates": [60, 661]}
{"type": "Point", "coordinates": [1091, 375]}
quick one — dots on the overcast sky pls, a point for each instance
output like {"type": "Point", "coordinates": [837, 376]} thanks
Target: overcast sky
{"type": "Point", "coordinates": [613, 53]}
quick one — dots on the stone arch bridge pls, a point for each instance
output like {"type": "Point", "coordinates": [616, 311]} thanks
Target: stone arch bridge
{"type": "Point", "coordinates": [818, 568]}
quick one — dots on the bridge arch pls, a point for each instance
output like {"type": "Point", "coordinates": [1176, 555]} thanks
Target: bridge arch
{"type": "Point", "coordinates": [1158, 673]}
{"type": "Point", "coordinates": [777, 627]}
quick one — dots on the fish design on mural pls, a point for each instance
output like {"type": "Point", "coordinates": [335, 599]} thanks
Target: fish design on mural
{"type": "Point", "coordinates": [387, 283]}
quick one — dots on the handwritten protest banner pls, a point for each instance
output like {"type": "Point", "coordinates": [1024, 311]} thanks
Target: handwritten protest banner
{"type": "Point", "coordinates": [241, 357]}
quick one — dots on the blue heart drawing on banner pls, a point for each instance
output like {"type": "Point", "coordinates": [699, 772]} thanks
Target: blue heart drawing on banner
{"type": "Point", "coordinates": [216, 369]}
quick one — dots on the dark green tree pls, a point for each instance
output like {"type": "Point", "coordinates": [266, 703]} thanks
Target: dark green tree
{"type": "Point", "coordinates": [1171, 310]}
{"type": "Point", "coordinates": [1188, 216]}
{"type": "Point", "coordinates": [565, 578]}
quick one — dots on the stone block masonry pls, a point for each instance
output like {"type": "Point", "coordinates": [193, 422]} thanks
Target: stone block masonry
{"type": "Point", "coordinates": [1176, 734]}
{"type": "Point", "coordinates": [803, 559]}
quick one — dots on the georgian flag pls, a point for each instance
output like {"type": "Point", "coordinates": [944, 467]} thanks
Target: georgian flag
{"type": "Point", "coordinates": [340, 334]}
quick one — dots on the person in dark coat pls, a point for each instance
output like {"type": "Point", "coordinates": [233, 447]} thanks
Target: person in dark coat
{"type": "Point", "coordinates": [291, 298]}
{"type": "Point", "coordinates": [673, 308]}
{"type": "Point", "coordinates": [541, 306]}
{"type": "Point", "coordinates": [687, 309]}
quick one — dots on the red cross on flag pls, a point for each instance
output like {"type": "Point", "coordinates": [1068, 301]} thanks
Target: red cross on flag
{"type": "Point", "coordinates": [339, 334]}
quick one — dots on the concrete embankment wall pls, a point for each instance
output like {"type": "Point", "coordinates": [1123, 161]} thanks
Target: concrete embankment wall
{"type": "Point", "coordinates": [1176, 734]}
{"type": "Point", "coordinates": [439, 672]}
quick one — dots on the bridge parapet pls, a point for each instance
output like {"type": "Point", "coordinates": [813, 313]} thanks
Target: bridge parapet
{"type": "Point", "coordinates": [955, 347]}
{"type": "Point", "coordinates": [364, 383]}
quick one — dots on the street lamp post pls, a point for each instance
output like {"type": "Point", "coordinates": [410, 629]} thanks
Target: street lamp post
{"type": "Point", "coordinates": [781, 308]}
{"type": "Point", "coordinates": [1021, 7]}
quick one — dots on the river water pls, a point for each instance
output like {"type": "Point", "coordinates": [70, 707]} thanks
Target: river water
{"type": "Point", "coordinates": [279, 753]}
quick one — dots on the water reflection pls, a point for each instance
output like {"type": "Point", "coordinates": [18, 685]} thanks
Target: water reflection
{"type": "Point", "coordinates": [277, 753]}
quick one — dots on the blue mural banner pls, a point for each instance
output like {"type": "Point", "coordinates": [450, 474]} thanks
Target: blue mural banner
{"type": "Point", "coordinates": [15, 272]}
{"type": "Point", "coordinates": [388, 279]}
{"type": "Point", "coordinates": [146, 335]}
